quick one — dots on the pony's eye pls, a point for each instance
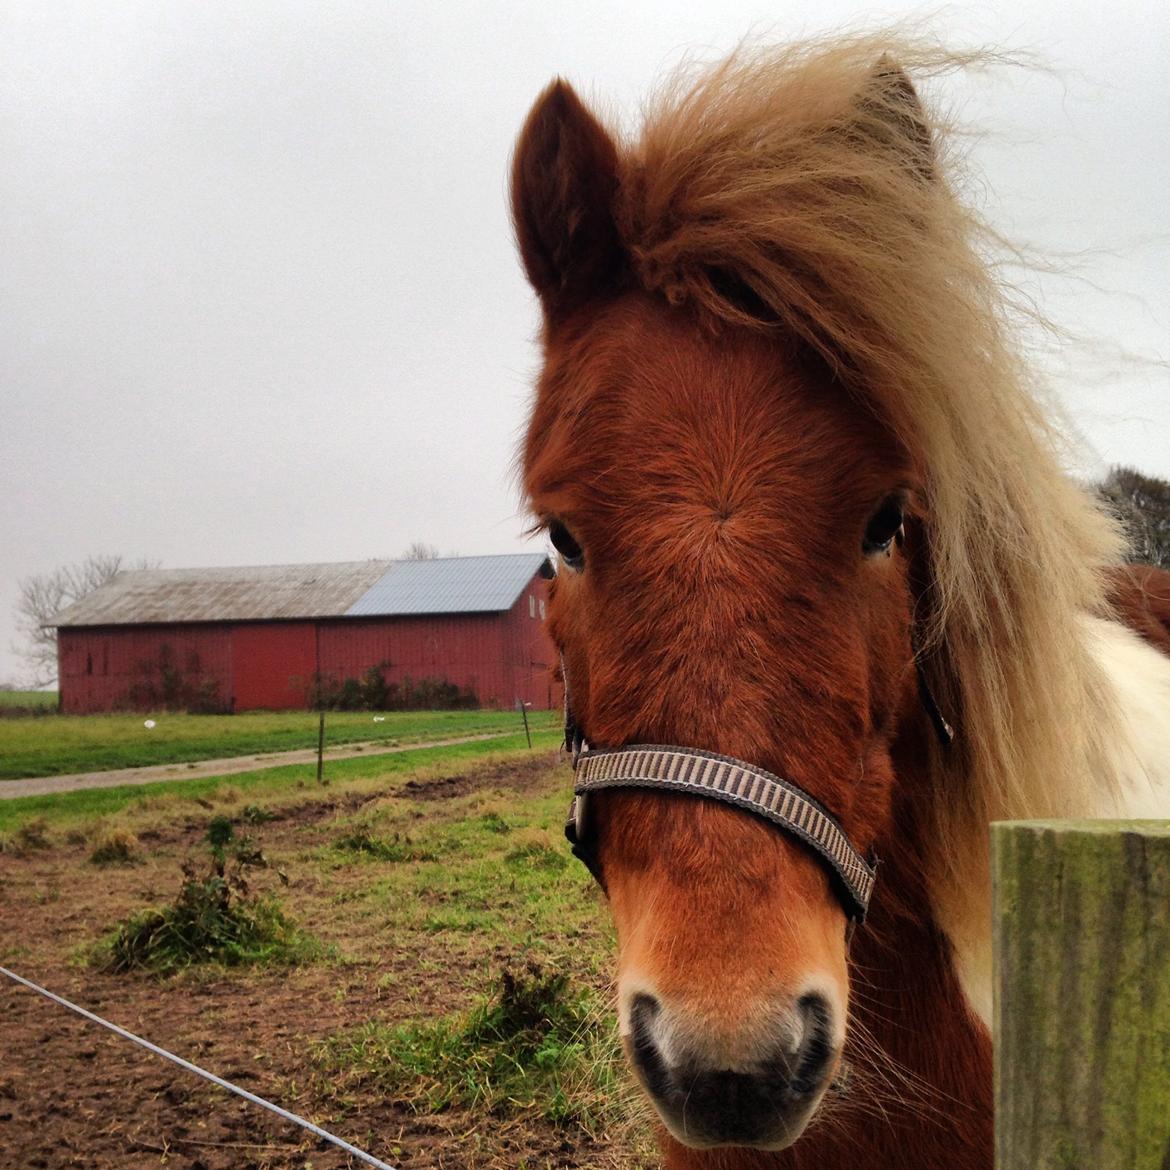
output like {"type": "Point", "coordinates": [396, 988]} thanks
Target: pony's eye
{"type": "Point", "coordinates": [884, 525]}
{"type": "Point", "coordinates": [563, 542]}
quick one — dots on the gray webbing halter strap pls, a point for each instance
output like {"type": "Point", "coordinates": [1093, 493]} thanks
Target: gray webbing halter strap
{"type": "Point", "coordinates": [732, 781]}
{"type": "Point", "coordinates": [784, 804]}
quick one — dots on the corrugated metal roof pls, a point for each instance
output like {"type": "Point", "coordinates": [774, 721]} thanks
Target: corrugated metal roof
{"type": "Point", "coordinates": [265, 592]}
{"type": "Point", "coordinates": [449, 585]}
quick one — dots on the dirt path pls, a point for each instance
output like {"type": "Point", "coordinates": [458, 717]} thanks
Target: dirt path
{"type": "Point", "coordinates": [45, 785]}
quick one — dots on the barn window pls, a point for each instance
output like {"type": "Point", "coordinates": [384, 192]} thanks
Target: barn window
{"type": "Point", "coordinates": [542, 609]}
{"type": "Point", "coordinates": [531, 606]}
{"type": "Point", "coordinates": [89, 664]}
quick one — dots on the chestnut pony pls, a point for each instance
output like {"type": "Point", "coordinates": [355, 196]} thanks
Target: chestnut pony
{"type": "Point", "coordinates": [805, 500]}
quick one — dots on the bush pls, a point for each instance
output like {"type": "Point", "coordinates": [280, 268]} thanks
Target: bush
{"type": "Point", "coordinates": [165, 685]}
{"type": "Point", "coordinates": [214, 918]}
{"type": "Point", "coordinates": [373, 693]}
{"type": "Point", "coordinates": [374, 688]}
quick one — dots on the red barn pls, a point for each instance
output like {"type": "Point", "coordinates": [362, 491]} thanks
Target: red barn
{"type": "Point", "coordinates": [453, 631]}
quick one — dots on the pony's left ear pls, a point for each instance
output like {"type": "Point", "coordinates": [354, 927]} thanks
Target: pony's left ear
{"type": "Point", "coordinates": [564, 184]}
{"type": "Point", "coordinates": [894, 115]}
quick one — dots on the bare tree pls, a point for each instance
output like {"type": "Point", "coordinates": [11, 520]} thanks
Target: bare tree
{"type": "Point", "coordinates": [1142, 503]}
{"type": "Point", "coordinates": [43, 596]}
{"type": "Point", "coordinates": [420, 551]}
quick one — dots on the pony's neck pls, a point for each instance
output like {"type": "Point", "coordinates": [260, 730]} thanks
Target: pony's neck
{"type": "Point", "coordinates": [1126, 775]}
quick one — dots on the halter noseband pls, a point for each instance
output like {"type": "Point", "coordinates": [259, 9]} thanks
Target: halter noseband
{"type": "Point", "coordinates": [724, 778]}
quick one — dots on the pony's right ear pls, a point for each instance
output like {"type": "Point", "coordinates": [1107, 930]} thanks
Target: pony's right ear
{"type": "Point", "coordinates": [564, 183]}
{"type": "Point", "coordinates": [896, 117]}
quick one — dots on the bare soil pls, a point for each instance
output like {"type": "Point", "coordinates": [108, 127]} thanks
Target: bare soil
{"type": "Point", "coordinates": [73, 1094]}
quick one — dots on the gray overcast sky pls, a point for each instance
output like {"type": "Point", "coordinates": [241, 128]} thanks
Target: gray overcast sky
{"type": "Point", "coordinates": [259, 299]}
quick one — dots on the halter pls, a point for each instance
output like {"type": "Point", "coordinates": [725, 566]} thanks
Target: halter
{"type": "Point", "coordinates": [729, 780]}
{"type": "Point", "coordinates": [732, 781]}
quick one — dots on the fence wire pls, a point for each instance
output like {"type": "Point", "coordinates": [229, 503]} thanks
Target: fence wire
{"type": "Point", "coordinates": [296, 1119]}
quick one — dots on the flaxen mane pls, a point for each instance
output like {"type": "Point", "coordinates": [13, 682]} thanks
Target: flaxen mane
{"type": "Point", "coordinates": [799, 189]}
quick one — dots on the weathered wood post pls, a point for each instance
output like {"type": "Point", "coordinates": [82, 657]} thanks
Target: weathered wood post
{"type": "Point", "coordinates": [1082, 994]}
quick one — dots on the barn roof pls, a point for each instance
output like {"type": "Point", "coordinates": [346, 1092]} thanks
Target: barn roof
{"type": "Point", "coordinates": [449, 585]}
{"type": "Point", "coordinates": [346, 589]}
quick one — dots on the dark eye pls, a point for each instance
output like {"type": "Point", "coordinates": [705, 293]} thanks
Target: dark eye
{"type": "Point", "coordinates": [883, 527]}
{"type": "Point", "coordinates": [563, 542]}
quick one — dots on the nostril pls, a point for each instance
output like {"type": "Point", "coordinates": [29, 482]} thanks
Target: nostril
{"type": "Point", "coordinates": [644, 1049]}
{"type": "Point", "coordinates": [810, 1065]}
{"type": "Point", "coordinates": [645, 1006]}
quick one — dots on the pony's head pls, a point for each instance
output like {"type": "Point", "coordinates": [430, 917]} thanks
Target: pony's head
{"type": "Point", "coordinates": [728, 455]}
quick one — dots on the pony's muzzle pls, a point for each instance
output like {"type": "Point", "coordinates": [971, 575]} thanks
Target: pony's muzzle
{"type": "Point", "coordinates": [761, 1096]}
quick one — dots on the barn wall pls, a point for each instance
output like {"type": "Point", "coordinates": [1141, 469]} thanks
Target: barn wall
{"type": "Point", "coordinates": [242, 666]}
{"type": "Point", "coordinates": [528, 649]}
{"type": "Point", "coordinates": [274, 665]}
{"type": "Point", "coordinates": [501, 657]}
{"type": "Point", "coordinates": [109, 668]}
{"type": "Point", "coordinates": [463, 649]}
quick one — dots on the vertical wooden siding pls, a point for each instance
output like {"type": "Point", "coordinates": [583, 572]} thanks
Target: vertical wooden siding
{"type": "Point", "coordinates": [529, 654]}
{"type": "Point", "coordinates": [502, 657]}
{"type": "Point", "coordinates": [273, 665]}
{"type": "Point", "coordinates": [107, 668]}
{"type": "Point", "coordinates": [463, 649]}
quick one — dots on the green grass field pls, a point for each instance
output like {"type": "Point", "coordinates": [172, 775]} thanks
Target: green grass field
{"type": "Point", "coordinates": [50, 745]}
{"type": "Point", "coordinates": [458, 996]}
{"type": "Point", "coordinates": [40, 700]}
{"type": "Point", "coordinates": [291, 781]}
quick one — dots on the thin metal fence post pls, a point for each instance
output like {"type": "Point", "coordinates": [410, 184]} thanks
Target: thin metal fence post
{"type": "Point", "coordinates": [321, 747]}
{"type": "Point", "coordinates": [524, 715]}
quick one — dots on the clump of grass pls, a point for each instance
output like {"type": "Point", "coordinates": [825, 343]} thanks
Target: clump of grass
{"type": "Point", "coordinates": [535, 1046]}
{"type": "Point", "coordinates": [216, 917]}
{"type": "Point", "coordinates": [115, 846]}
{"type": "Point", "coordinates": [397, 848]}
{"type": "Point", "coordinates": [534, 849]}
{"type": "Point", "coordinates": [253, 814]}
{"type": "Point", "coordinates": [32, 834]}
{"type": "Point", "coordinates": [494, 823]}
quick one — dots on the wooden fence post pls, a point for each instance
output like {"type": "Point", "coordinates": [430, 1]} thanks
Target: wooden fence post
{"type": "Point", "coordinates": [1082, 994]}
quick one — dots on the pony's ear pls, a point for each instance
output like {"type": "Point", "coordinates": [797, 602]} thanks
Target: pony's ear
{"type": "Point", "coordinates": [564, 180]}
{"type": "Point", "coordinates": [894, 114]}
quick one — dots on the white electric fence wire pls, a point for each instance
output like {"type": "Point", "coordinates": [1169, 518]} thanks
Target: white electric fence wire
{"type": "Point", "coordinates": [369, 1159]}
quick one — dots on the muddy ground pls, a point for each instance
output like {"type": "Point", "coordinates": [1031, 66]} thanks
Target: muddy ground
{"type": "Point", "coordinates": [73, 1094]}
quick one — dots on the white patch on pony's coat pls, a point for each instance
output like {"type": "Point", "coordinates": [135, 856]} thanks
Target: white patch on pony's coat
{"type": "Point", "coordinates": [1140, 676]}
